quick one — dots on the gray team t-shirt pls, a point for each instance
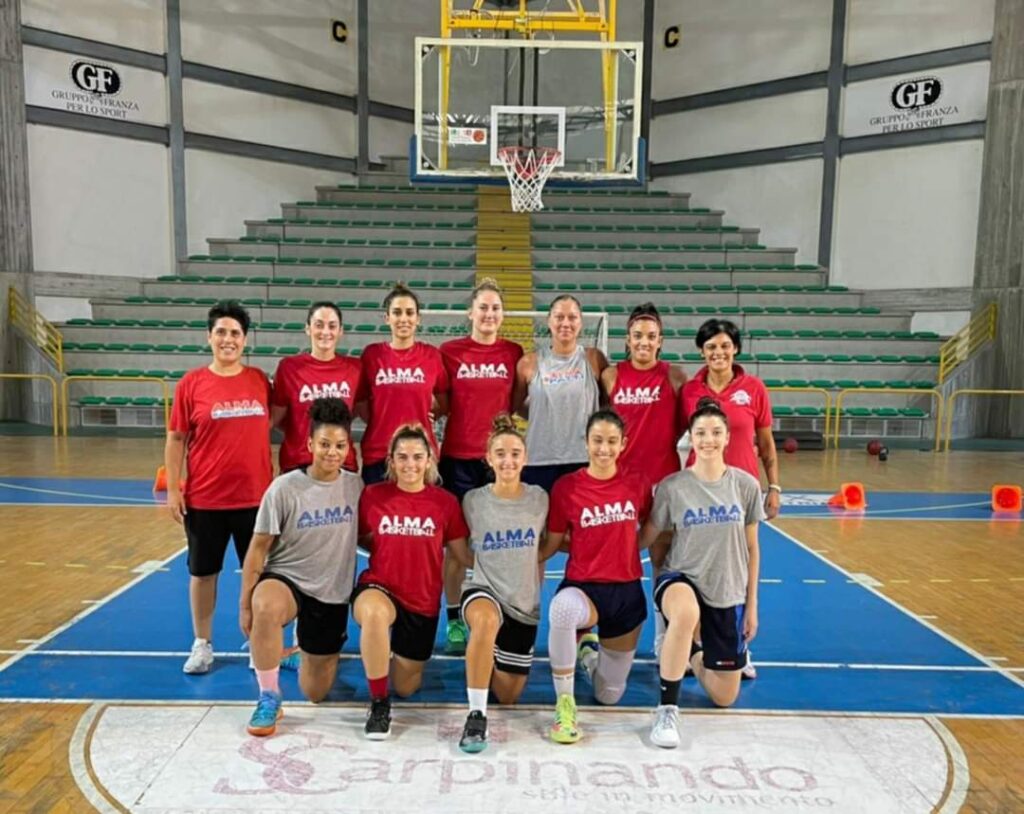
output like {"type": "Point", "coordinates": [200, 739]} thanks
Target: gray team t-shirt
{"type": "Point", "coordinates": [316, 525]}
{"type": "Point", "coordinates": [505, 537]}
{"type": "Point", "coordinates": [708, 521]}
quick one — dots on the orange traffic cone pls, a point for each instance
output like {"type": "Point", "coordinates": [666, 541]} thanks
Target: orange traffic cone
{"type": "Point", "coordinates": [160, 482]}
{"type": "Point", "coordinates": [850, 496]}
{"type": "Point", "coordinates": [1006, 498]}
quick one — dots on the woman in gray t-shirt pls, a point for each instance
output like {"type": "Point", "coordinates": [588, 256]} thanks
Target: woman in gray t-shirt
{"type": "Point", "coordinates": [710, 570]}
{"type": "Point", "coordinates": [501, 597]}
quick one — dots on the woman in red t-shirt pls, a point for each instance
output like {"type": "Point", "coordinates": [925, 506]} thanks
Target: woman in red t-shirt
{"type": "Point", "coordinates": [403, 381]}
{"type": "Point", "coordinates": [645, 392]}
{"type": "Point", "coordinates": [596, 511]}
{"type": "Point", "coordinates": [405, 523]}
{"type": "Point", "coordinates": [220, 426]}
{"type": "Point", "coordinates": [481, 370]}
{"type": "Point", "coordinates": [302, 378]}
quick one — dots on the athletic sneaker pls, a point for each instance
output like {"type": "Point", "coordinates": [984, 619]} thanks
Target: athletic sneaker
{"type": "Point", "coordinates": [264, 718]}
{"type": "Point", "coordinates": [457, 637]}
{"type": "Point", "coordinates": [665, 729]}
{"type": "Point", "coordinates": [474, 733]}
{"type": "Point", "coordinates": [200, 660]}
{"type": "Point", "coordinates": [587, 652]}
{"type": "Point", "coordinates": [378, 720]}
{"type": "Point", "coordinates": [564, 729]}
{"type": "Point", "coordinates": [749, 671]}
{"type": "Point", "coordinates": [291, 661]}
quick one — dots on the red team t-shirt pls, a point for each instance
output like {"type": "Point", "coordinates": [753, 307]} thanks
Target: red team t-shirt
{"type": "Point", "coordinates": [745, 403]}
{"type": "Point", "coordinates": [298, 381]}
{"type": "Point", "coordinates": [481, 378]}
{"type": "Point", "coordinates": [602, 517]}
{"type": "Point", "coordinates": [650, 409]}
{"type": "Point", "coordinates": [227, 423]}
{"type": "Point", "coordinates": [409, 531]}
{"type": "Point", "coordinates": [399, 385]}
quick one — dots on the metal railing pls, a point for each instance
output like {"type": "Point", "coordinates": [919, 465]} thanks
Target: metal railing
{"type": "Point", "coordinates": [935, 394]}
{"type": "Point", "coordinates": [65, 385]}
{"type": "Point", "coordinates": [968, 340]}
{"type": "Point", "coordinates": [55, 405]}
{"type": "Point", "coordinates": [42, 333]}
{"type": "Point", "coordinates": [969, 391]}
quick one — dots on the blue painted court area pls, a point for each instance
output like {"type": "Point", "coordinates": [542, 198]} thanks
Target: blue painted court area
{"type": "Point", "coordinates": [826, 643]}
{"type": "Point", "coordinates": [76, 492]}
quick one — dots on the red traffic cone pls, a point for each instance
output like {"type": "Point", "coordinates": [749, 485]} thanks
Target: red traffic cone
{"type": "Point", "coordinates": [850, 497]}
{"type": "Point", "coordinates": [1006, 498]}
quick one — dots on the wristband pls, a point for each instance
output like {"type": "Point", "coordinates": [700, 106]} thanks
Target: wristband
{"type": "Point", "coordinates": [774, 487]}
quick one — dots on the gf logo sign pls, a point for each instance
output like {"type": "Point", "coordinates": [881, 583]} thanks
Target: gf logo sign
{"type": "Point", "coordinates": [914, 94]}
{"type": "Point", "coordinates": [95, 78]}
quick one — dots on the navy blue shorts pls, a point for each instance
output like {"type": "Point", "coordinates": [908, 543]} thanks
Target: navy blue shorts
{"type": "Point", "coordinates": [460, 475]}
{"type": "Point", "coordinates": [545, 475]}
{"type": "Point", "coordinates": [374, 473]}
{"type": "Point", "coordinates": [621, 606]}
{"type": "Point", "coordinates": [721, 629]}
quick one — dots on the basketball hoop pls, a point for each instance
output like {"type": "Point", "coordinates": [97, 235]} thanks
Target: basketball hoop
{"type": "Point", "coordinates": [528, 169]}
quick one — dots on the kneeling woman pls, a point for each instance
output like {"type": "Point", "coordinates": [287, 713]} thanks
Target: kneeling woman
{"type": "Point", "coordinates": [501, 599]}
{"type": "Point", "coordinates": [405, 523]}
{"type": "Point", "coordinates": [707, 591]}
{"type": "Point", "coordinates": [596, 512]}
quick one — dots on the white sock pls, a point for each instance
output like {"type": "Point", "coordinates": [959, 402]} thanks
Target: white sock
{"type": "Point", "coordinates": [477, 700]}
{"type": "Point", "coordinates": [564, 685]}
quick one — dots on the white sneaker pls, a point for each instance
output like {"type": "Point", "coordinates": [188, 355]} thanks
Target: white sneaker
{"type": "Point", "coordinates": [749, 671]}
{"type": "Point", "coordinates": [665, 729]}
{"type": "Point", "coordinates": [200, 660]}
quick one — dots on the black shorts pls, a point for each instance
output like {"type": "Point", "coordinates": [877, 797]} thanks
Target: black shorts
{"type": "Point", "coordinates": [412, 634]}
{"type": "Point", "coordinates": [208, 532]}
{"type": "Point", "coordinates": [321, 626]}
{"type": "Point", "coordinates": [621, 606]}
{"type": "Point", "coordinates": [513, 646]}
{"type": "Point", "coordinates": [545, 475]}
{"type": "Point", "coordinates": [374, 473]}
{"type": "Point", "coordinates": [721, 629]}
{"type": "Point", "coordinates": [459, 475]}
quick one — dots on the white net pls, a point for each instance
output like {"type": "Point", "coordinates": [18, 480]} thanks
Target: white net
{"type": "Point", "coordinates": [527, 169]}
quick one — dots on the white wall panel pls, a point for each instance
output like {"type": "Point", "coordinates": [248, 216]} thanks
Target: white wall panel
{"type": "Point", "coordinates": [393, 27]}
{"type": "Point", "coordinates": [100, 205]}
{"type": "Point", "coordinates": [290, 41]}
{"type": "Point", "coordinates": [136, 24]}
{"type": "Point", "coordinates": [240, 114]}
{"type": "Point", "coordinates": [883, 29]}
{"type": "Point", "coordinates": [726, 43]}
{"type": "Point", "coordinates": [58, 309]}
{"type": "Point", "coordinates": [389, 138]}
{"type": "Point", "coordinates": [223, 191]}
{"type": "Point", "coordinates": [782, 200]}
{"type": "Point", "coordinates": [944, 323]}
{"type": "Point", "coordinates": [795, 118]}
{"type": "Point", "coordinates": [908, 218]}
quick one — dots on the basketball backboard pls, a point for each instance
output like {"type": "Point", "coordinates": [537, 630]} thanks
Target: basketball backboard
{"type": "Point", "coordinates": [476, 95]}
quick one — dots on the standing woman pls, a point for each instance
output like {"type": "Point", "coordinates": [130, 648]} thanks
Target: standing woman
{"type": "Point", "coordinates": [645, 392]}
{"type": "Point", "coordinates": [596, 512]}
{"type": "Point", "coordinates": [481, 370]}
{"type": "Point", "coordinates": [403, 381]}
{"type": "Point", "coordinates": [405, 523]}
{"type": "Point", "coordinates": [744, 400]}
{"type": "Point", "coordinates": [556, 389]}
{"type": "Point", "coordinates": [220, 426]}
{"type": "Point", "coordinates": [501, 600]}
{"type": "Point", "coordinates": [303, 378]}
{"type": "Point", "coordinates": [708, 590]}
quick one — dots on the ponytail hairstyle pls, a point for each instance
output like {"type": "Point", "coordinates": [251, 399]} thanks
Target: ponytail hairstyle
{"type": "Point", "coordinates": [645, 310]}
{"type": "Point", "coordinates": [504, 424]}
{"type": "Point", "coordinates": [418, 433]}
{"type": "Point", "coordinates": [487, 284]}
{"type": "Point", "coordinates": [707, 406]}
{"type": "Point", "coordinates": [332, 412]}
{"type": "Point", "coordinates": [401, 290]}
{"type": "Point", "coordinates": [606, 414]}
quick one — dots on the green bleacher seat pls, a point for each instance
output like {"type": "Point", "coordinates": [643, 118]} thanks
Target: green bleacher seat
{"type": "Point", "coordinates": [816, 358]}
{"type": "Point", "coordinates": [913, 412]}
{"type": "Point", "coordinates": [782, 411]}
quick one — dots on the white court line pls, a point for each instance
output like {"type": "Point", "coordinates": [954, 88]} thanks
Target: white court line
{"type": "Point", "coordinates": [920, 619]}
{"type": "Point", "coordinates": [130, 500]}
{"type": "Point", "coordinates": [961, 779]}
{"type": "Point", "coordinates": [95, 604]}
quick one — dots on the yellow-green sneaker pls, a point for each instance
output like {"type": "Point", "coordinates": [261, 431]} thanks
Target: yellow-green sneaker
{"type": "Point", "coordinates": [564, 729]}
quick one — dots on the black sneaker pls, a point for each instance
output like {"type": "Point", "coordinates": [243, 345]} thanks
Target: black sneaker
{"type": "Point", "coordinates": [378, 720]}
{"type": "Point", "coordinates": [474, 733]}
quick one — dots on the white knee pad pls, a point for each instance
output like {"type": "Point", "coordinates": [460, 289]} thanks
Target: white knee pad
{"type": "Point", "coordinates": [610, 677]}
{"type": "Point", "coordinates": [569, 611]}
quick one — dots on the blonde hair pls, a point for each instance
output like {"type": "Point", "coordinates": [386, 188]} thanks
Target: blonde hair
{"type": "Point", "coordinates": [408, 432]}
{"type": "Point", "coordinates": [504, 424]}
{"type": "Point", "coordinates": [487, 284]}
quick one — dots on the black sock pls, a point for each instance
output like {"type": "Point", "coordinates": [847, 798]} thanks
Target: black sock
{"type": "Point", "coordinates": [453, 613]}
{"type": "Point", "coordinates": [669, 692]}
